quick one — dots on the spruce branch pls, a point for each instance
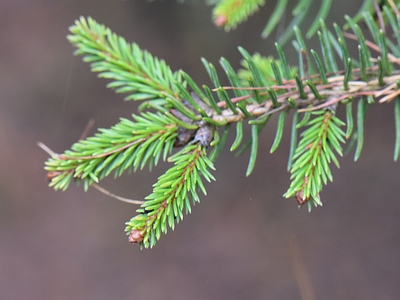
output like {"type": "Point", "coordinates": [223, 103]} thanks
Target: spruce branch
{"type": "Point", "coordinates": [127, 145]}
{"type": "Point", "coordinates": [262, 89]}
{"type": "Point", "coordinates": [131, 69]}
{"type": "Point", "coordinates": [313, 155]}
{"type": "Point", "coordinates": [172, 196]}
{"type": "Point", "coordinates": [176, 112]}
{"type": "Point", "coordinates": [230, 13]}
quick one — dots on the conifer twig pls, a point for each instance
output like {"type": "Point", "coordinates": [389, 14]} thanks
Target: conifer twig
{"type": "Point", "coordinates": [177, 112]}
{"type": "Point", "coordinates": [96, 186]}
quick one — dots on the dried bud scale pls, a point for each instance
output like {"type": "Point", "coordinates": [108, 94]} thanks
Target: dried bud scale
{"type": "Point", "coordinates": [135, 237]}
{"type": "Point", "coordinates": [203, 135]}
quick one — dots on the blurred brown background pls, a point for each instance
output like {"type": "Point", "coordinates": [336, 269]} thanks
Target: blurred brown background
{"type": "Point", "coordinates": [243, 241]}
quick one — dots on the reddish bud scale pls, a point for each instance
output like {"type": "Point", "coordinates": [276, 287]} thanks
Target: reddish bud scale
{"type": "Point", "coordinates": [135, 236]}
{"type": "Point", "coordinates": [221, 21]}
{"type": "Point", "coordinates": [52, 174]}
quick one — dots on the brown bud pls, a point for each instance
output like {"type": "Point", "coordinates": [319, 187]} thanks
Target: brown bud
{"type": "Point", "coordinates": [299, 198]}
{"type": "Point", "coordinates": [51, 174]}
{"type": "Point", "coordinates": [136, 236]}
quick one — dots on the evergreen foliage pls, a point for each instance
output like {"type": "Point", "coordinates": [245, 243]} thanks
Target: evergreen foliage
{"type": "Point", "coordinates": [171, 196]}
{"type": "Point", "coordinates": [230, 13]}
{"type": "Point", "coordinates": [127, 145]}
{"type": "Point", "coordinates": [176, 112]}
{"type": "Point", "coordinates": [313, 155]}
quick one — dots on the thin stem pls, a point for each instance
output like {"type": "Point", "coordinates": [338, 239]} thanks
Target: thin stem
{"type": "Point", "coordinates": [122, 199]}
{"type": "Point", "coordinates": [47, 149]}
{"type": "Point", "coordinates": [373, 46]}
